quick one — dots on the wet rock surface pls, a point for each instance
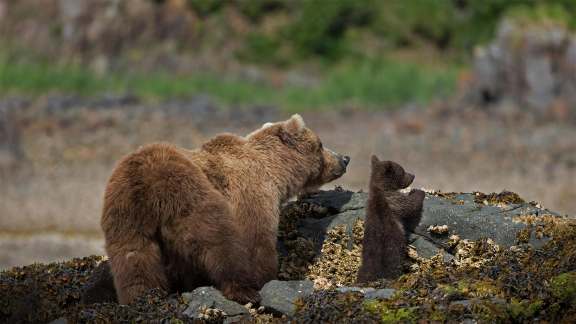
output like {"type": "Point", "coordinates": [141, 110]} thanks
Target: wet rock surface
{"type": "Point", "coordinates": [501, 259]}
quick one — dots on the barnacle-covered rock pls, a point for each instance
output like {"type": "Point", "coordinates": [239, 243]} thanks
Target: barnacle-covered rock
{"type": "Point", "coordinates": [502, 260]}
{"type": "Point", "coordinates": [207, 303]}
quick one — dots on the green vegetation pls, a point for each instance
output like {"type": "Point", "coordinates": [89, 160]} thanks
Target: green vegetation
{"type": "Point", "coordinates": [371, 83]}
{"type": "Point", "coordinates": [329, 29]}
{"type": "Point", "coordinates": [390, 315]}
{"type": "Point", "coordinates": [563, 286]}
{"type": "Point", "coordinates": [524, 310]}
{"type": "Point", "coordinates": [353, 45]}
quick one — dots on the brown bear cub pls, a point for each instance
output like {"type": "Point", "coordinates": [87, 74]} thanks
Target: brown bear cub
{"type": "Point", "coordinates": [390, 216]}
{"type": "Point", "coordinates": [177, 219]}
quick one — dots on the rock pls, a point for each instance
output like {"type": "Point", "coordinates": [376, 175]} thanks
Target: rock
{"type": "Point", "coordinates": [362, 290]}
{"type": "Point", "coordinates": [474, 221]}
{"type": "Point", "coordinates": [463, 216]}
{"type": "Point", "coordinates": [208, 297]}
{"type": "Point", "coordinates": [61, 320]}
{"type": "Point", "coordinates": [338, 201]}
{"type": "Point", "coordinates": [385, 293]}
{"type": "Point", "coordinates": [280, 296]}
{"type": "Point", "coordinates": [315, 229]}
{"type": "Point", "coordinates": [368, 292]}
{"type": "Point", "coordinates": [465, 303]}
{"type": "Point", "coordinates": [427, 249]}
{"type": "Point", "coordinates": [533, 66]}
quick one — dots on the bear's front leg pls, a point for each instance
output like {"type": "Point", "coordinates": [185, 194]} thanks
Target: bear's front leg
{"type": "Point", "coordinates": [413, 214]}
{"type": "Point", "coordinates": [265, 259]}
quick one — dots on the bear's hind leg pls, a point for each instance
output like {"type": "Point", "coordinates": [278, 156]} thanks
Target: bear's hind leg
{"type": "Point", "coordinates": [137, 268]}
{"type": "Point", "coordinates": [208, 239]}
{"type": "Point", "coordinates": [228, 267]}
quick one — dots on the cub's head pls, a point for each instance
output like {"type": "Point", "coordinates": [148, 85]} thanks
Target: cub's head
{"type": "Point", "coordinates": [388, 175]}
{"type": "Point", "coordinates": [302, 155]}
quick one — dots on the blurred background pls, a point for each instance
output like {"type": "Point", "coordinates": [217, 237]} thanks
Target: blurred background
{"type": "Point", "coordinates": [469, 95]}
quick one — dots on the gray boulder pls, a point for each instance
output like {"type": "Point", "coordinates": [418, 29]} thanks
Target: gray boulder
{"type": "Point", "coordinates": [280, 296]}
{"type": "Point", "coordinates": [463, 216]}
{"type": "Point", "coordinates": [531, 66]}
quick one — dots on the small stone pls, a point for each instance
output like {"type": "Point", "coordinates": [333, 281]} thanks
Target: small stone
{"type": "Point", "coordinates": [208, 301]}
{"type": "Point", "coordinates": [362, 290]}
{"type": "Point", "coordinates": [385, 293]}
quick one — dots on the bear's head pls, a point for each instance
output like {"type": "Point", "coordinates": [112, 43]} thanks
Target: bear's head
{"type": "Point", "coordinates": [389, 175]}
{"type": "Point", "coordinates": [302, 155]}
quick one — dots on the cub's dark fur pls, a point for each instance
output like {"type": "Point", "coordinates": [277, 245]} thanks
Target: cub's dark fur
{"type": "Point", "coordinates": [390, 216]}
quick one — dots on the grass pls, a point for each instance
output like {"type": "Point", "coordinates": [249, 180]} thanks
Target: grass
{"type": "Point", "coordinates": [367, 84]}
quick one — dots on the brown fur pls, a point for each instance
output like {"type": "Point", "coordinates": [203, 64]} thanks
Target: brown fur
{"type": "Point", "coordinates": [177, 219]}
{"type": "Point", "coordinates": [390, 215]}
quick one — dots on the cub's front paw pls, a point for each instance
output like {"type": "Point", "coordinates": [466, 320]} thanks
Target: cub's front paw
{"type": "Point", "coordinates": [417, 193]}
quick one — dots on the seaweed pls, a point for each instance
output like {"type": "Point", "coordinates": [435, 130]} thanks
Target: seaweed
{"type": "Point", "coordinates": [484, 282]}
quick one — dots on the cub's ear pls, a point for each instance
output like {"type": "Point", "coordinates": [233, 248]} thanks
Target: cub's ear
{"type": "Point", "coordinates": [374, 159]}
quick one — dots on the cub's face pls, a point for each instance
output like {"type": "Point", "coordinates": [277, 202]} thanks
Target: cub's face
{"type": "Point", "coordinates": [303, 151]}
{"type": "Point", "coordinates": [389, 175]}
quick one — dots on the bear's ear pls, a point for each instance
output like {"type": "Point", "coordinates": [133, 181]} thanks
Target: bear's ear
{"type": "Point", "coordinates": [291, 129]}
{"type": "Point", "coordinates": [295, 125]}
{"type": "Point", "coordinates": [266, 125]}
{"type": "Point", "coordinates": [374, 159]}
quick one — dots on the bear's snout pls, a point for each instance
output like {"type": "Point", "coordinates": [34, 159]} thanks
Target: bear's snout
{"type": "Point", "coordinates": [408, 179]}
{"type": "Point", "coordinates": [334, 166]}
{"type": "Point", "coordinates": [344, 160]}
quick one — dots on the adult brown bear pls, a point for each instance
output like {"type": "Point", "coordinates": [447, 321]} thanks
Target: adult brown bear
{"type": "Point", "coordinates": [177, 219]}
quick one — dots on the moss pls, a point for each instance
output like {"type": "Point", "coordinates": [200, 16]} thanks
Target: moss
{"type": "Point", "coordinates": [524, 309]}
{"type": "Point", "coordinates": [388, 314]}
{"type": "Point", "coordinates": [490, 312]}
{"type": "Point", "coordinates": [563, 286]}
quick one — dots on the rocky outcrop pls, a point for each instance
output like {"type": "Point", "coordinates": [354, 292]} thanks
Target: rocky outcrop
{"type": "Point", "coordinates": [528, 65]}
{"type": "Point", "coordinates": [469, 250]}
{"type": "Point", "coordinates": [470, 216]}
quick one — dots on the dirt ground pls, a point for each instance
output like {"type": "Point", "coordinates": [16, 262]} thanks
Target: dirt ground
{"type": "Point", "coordinates": [50, 203]}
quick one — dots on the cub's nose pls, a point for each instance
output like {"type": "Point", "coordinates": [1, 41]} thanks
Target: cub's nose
{"type": "Point", "coordinates": [345, 160]}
